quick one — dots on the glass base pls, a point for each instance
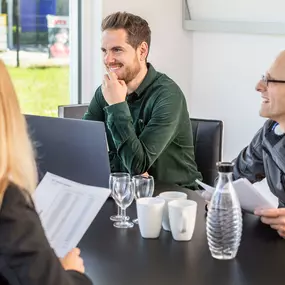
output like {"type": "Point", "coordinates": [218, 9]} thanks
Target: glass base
{"type": "Point", "coordinates": [136, 221]}
{"type": "Point", "coordinates": [123, 225]}
{"type": "Point", "coordinates": [118, 218]}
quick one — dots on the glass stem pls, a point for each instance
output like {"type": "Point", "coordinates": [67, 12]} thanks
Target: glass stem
{"type": "Point", "coordinates": [123, 211]}
{"type": "Point", "coordinates": [119, 211]}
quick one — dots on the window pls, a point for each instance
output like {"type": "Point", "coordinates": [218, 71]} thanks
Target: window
{"type": "Point", "coordinates": [42, 79]}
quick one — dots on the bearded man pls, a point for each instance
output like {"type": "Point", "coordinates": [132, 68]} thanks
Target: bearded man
{"type": "Point", "coordinates": [145, 112]}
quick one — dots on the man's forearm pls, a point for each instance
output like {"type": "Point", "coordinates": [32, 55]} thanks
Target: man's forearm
{"type": "Point", "coordinates": [139, 152]}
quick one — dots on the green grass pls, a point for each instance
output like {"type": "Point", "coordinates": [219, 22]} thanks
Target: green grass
{"type": "Point", "coordinates": [40, 90]}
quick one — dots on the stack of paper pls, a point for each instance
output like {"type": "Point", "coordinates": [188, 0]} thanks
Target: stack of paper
{"type": "Point", "coordinates": [66, 210]}
{"type": "Point", "coordinates": [251, 196]}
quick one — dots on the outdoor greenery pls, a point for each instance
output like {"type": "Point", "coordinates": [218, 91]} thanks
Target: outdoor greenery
{"type": "Point", "coordinates": [41, 89]}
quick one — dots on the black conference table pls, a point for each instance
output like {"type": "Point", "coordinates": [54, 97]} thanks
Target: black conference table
{"type": "Point", "coordinates": [123, 257]}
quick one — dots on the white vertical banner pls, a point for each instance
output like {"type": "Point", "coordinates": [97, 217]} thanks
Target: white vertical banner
{"type": "Point", "coordinates": [88, 40]}
{"type": "Point", "coordinates": [92, 67]}
{"type": "Point", "coordinates": [10, 24]}
{"type": "Point", "coordinates": [74, 57]}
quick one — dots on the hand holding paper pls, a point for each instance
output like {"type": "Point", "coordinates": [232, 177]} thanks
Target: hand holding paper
{"type": "Point", "coordinates": [254, 196]}
{"type": "Point", "coordinates": [73, 261]}
{"type": "Point", "coordinates": [275, 218]}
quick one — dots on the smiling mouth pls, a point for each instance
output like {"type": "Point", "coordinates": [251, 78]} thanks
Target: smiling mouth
{"type": "Point", "coordinates": [114, 68]}
{"type": "Point", "coordinates": [265, 100]}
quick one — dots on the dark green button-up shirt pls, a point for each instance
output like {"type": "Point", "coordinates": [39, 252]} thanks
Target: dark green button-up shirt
{"type": "Point", "coordinates": [150, 131]}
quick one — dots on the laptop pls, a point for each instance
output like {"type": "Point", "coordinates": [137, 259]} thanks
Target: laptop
{"type": "Point", "coordinates": [73, 149]}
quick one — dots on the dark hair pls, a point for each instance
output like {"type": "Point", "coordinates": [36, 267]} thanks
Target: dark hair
{"type": "Point", "coordinates": [137, 29]}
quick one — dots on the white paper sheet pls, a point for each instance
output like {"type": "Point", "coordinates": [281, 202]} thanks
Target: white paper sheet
{"type": "Point", "coordinates": [66, 210]}
{"type": "Point", "coordinates": [263, 188]}
{"type": "Point", "coordinates": [251, 196]}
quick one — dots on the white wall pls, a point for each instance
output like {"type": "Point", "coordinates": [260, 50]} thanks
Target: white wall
{"type": "Point", "coordinates": [226, 68]}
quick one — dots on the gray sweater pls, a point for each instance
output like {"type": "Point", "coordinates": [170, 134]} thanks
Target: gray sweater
{"type": "Point", "coordinates": [264, 157]}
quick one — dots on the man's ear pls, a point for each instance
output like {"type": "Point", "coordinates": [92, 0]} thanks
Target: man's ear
{"type": "Point", "coordinates": [143, 51]}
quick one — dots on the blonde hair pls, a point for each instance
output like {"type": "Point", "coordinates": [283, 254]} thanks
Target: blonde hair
{"type": "Point", "coordinates": [17, 162]}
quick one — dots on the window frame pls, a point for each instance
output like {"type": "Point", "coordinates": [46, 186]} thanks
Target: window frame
{"type": "Point", "coordinates": [86, 68]}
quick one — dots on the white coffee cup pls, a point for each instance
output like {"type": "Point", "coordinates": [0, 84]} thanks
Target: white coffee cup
{"type": "Point", "coordinates": [150, 211]}
{"type": "Point", "coordinates": [170, 196]}
{"type": "Point", "coordinates": [182, 217]}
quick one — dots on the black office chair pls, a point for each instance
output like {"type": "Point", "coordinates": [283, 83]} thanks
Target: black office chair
{"type": "Point", "coordinates": [75, 111]}
{"type": "Point", "coordinates": [208, 143]}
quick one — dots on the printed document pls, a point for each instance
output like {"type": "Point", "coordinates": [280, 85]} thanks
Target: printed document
{"type": "Point", "coordinates": [66, 210]}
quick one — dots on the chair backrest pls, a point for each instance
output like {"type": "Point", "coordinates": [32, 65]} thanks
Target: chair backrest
{"type": "Point", "coordinates": [73, 149]}
{"type": "Point", "coordinates": [75, 111]}
{"type": "Point", "coordinates": [208, 144]}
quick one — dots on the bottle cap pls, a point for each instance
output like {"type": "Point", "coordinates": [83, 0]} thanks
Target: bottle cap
{"type": "Point", "coordinates": [225, 166]}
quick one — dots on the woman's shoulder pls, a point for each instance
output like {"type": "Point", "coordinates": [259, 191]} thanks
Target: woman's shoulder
{"type": "Point", "coordinates": [16, 205]}
{"type": "Point", "coordinates": [17, 217]}
{"type": "Point", "coordinates": [13, 194]}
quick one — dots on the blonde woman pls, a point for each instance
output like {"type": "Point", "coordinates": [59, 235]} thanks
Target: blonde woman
{"type": "Point", "coordinates": [25, 254]}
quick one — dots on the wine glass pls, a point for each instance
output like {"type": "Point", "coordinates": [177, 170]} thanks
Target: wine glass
{"type": "Point", "coordinates": [112, 178]}
{"type": "Point", "coordinates": [124, 196]}
{"type": "Point", "coordinates": [144, 187]}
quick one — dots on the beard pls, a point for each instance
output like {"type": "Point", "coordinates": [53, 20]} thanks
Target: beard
{"type": "Point", "coordinates": [130, 71]}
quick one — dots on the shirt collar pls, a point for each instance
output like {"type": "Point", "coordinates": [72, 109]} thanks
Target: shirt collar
{"type": "Point", "coordinates": [147, 81]}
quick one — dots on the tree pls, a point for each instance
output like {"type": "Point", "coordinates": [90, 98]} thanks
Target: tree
{"type": "Point", "coordinates": [16, 21]}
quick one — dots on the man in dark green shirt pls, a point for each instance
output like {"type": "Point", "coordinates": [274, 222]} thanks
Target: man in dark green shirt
{"type": "Point", "coordinates": [145, 112]}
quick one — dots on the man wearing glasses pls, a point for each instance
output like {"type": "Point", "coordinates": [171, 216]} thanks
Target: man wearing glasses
{"type": "Point", "coordinates": [265, 155]}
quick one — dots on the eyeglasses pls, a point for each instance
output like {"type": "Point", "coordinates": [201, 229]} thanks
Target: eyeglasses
{"type": "Point", "coordinates": [267, 80]}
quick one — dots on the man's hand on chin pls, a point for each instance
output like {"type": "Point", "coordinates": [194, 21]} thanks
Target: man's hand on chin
{"type": "Point", "coordinates": [113, 89]}
{"type": "Point", "coordinates": [275, 218]}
